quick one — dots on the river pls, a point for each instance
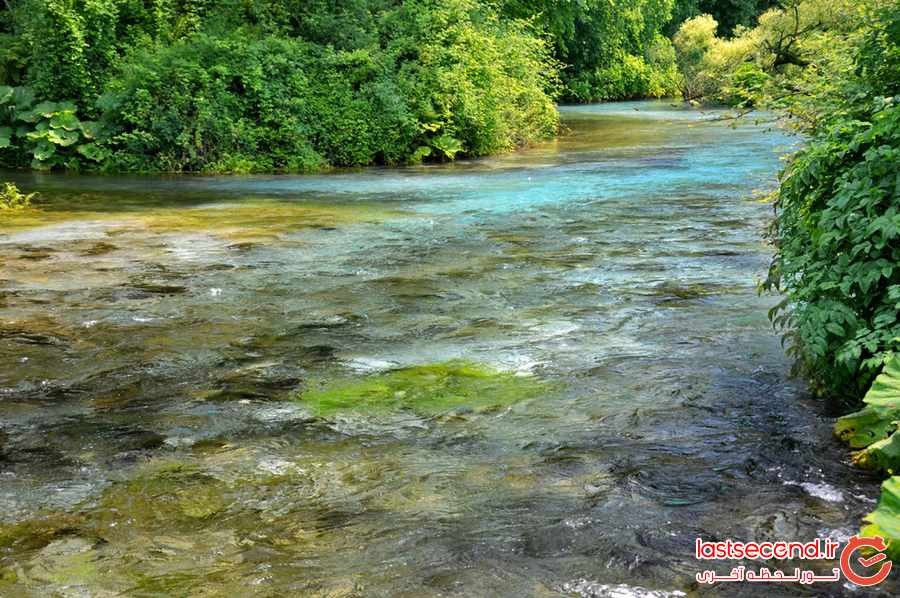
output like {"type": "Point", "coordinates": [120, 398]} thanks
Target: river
{"type": "Point", "coordinates": [568, 375]}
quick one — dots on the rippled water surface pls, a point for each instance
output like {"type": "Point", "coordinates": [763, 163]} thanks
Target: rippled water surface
{"type": "Point", "coordinates": [568, 376]}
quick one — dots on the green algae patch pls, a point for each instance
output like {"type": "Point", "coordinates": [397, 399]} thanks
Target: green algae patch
{"type": "Point", "coordinates": [259, 219]}
{"type": "Point", "coordinates": [160, 495]}
{"type": "Point", "coordinates": [239, 221]}
{"type": "Point", "coordinates": [427, 390]}
{"type": "Point", "coordinates": [35, 533]}
{"type": "Point", "coordinates": [17, 220]}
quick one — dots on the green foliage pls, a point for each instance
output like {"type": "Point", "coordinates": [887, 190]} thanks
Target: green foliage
{"type": "Point", "coordinates": [46, 134]}
{"type": "Point", "coordinates": [834, 69]}
{"type": "Point", "coordinates": [875, 431]}
{"type": "Point", "coordinates": [718, 69]}
{"type": "Point", "coordinates": [13, 199]}
{"type": "Point", "coordinates": [783, 56]}
{"type": "Point", "coordinates": [694, 43]}
{"type": "Point", "coordinates": [611, 49]}
{"type": "Point", "coordinates": [874, 428]}
{"type": "Point", "coordinates": [285, 85]}
{"type": "Point", "coordinates": [866, 426]}
{"type": "Point", "coordinates": [728, 14]}
{"type": "Point", "coordinates": [838, 240]}
{"type": "Point", "coordinates": [428, 390]}
{"type": "Point", "coordinates": [213, 103]}
{"type": "Point", "coordinates": [837, 227]}
{"type": "Point", "coordinates": [884, 521]}
{"type": "Point", "coordinates": [476, 85]}
{"type": "Point", "coordinates": [746, 86]}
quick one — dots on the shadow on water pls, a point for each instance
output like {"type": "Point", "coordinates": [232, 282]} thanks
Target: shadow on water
{"type": "Point", "coordinates": [567, 372]}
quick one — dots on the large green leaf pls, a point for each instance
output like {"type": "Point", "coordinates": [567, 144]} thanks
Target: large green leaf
{"type": "Point", "coordinates": [5, 136]}
{"type": "Point", "coordinates": [883, 455]}
{"type": "Point", "coordinates": [885, 391]}
{"type": "Point", "coordinates": [447, 145]}
{"type": "Point", "coordinates": [90, 129]}
{"type": "Point", "coordinates": [37, 134]}
{"type": "Point", "coordinates": [43, 150]}
{"type": "Point", "coordinates": [878, 419]}
{"type": "Point", "coordinates": [92, 151]}
{"type": "Point", "coordinates": [63, 137]}
{"type": "Point", "coordinates": [22, 97]}
{"type": "Point", "coordinates": [869, 425]}
{"type": "Point", "coordinates": [6, 94]}
{"type": "Point", "coordinates": [65, 120]}
{"type": "Point", "coordinates": [884, 521]}
{"type": "Point", "coordinates": [29, 116]}
{"type": "Point", "coordinates": [47, 109]}
{"type": "Point", "coordinates": [421, 152]}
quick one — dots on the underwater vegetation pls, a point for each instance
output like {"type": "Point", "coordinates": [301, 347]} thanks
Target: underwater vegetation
{"type": "Point", "coordinates": [252, 219]}
{"type": "Point", "coordinates": [427, 390]}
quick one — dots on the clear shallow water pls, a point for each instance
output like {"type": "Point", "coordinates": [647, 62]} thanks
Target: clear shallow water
{"type": "Point", "coordinates": [156, 331]}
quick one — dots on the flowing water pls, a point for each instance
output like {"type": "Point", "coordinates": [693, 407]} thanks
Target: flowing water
{"type": "Point", "coordinates": [568, 376]}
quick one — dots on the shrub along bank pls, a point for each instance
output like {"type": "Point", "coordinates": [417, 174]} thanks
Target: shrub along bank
{"type": "Point", "coordinates": [284, 85]}
{"type": "Point", "coordinates": [296, 85]}
{"type": "Point", "coordinates": [832, 68]}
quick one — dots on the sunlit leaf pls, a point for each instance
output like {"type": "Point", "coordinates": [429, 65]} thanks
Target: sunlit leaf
{"type": "Point", "coordinates": [883, 455]}
{"type": "Point", "coordinates": [885, 391]}
{"type": "Point", "coordinates": [43, 150]}
{"type": "Point", "coordinates": [864, 427]}
{"type": "Point", "coordinates": [884, 521]}
{"type": "Point", "coordinates": [65, 120]}
{"type": "Point", "coordinates": [63, 137]}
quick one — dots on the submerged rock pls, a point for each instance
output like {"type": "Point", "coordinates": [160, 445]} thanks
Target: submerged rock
{"type": "Point", "coordinates": [160, 495]}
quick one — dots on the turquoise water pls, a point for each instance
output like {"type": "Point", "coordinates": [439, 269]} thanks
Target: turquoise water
{"type": "Point", "coordinates": [159, 334]}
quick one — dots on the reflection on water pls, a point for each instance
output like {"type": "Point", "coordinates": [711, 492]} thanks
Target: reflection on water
{"type": "Point", "coordinates": [159, 335]}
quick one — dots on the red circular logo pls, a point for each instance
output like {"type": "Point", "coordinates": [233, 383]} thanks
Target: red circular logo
{"type": "Point", "coordinates": [876, 543]}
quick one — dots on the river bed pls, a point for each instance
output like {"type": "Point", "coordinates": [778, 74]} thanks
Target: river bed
{"type": "Point", "coordinates": [541, 374]}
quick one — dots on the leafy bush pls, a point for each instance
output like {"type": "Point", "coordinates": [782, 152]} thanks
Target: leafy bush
{"type": "Point", "coordinates": [49, 134]}
{"type": "Point", "coordinates": [694, 43]}
{"type": "Point", "coordinates": [837, 233]}
{"type": "Point", "coordinates": [827, 66]}
{"type": "Point", "coordinates": [611, 50]}
{"type": "Point", "coordinates": [223, 86]}
{"type": "Point", "coordinates": [475, 85]}
{"type": "Point", "coordinates": [212, 103]}
{"type": "Point", "coordinates": [783, 56]}
{"type": "Point", "coordinates": [13, 199]}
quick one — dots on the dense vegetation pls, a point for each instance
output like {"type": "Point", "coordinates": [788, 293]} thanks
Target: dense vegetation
{"type": "Point", "coordinates": [611, 50]}
{"type": "Point", "coordinates": [621, 49]}
{"type": "Point", "coordinates": [295, 85]}
{"type": "Point", "coordinates": [833, 69]}
{"type": "Point", "coordinates": [287, 85]}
